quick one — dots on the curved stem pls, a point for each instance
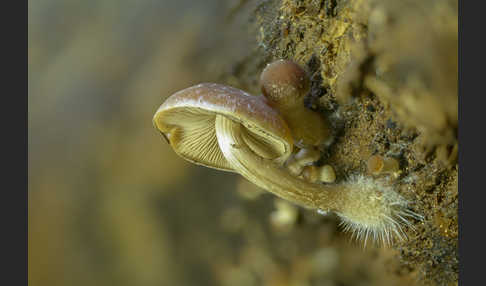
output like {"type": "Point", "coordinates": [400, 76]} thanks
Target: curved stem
{"type": "Point", "coordinates": [269, 175]}
{"type": "Point", "coordinates": [366, 207]}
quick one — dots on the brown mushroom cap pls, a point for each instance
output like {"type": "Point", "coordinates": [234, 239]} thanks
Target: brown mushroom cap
{"type": "Point", "coordinates": [187, 121]}
{"type": "Point", "coordinates": [284, 82]}
{"type": "Point", "coordinates": [375, 164]}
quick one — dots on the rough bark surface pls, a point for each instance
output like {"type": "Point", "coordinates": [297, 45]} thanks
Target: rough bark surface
{"type": "Point", "coordinates": [385, 74]}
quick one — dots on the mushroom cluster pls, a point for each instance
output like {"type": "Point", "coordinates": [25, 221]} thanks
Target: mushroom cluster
{"type": "Point", "coordinates": [269, 140]}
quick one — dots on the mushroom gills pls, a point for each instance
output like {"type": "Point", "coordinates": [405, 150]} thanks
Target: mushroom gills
{"type": "Point", "coordinates": [193, 137]}
{"type": "Point", "coordinates": [264, 145]}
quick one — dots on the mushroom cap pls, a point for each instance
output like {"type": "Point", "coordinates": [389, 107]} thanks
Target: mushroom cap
{"type": "Point", "coordinates": [284, 82]}
{"type": "Point", "coordinates": [375, 164]}
{"type": "Point", "coordinates": [187, 121]}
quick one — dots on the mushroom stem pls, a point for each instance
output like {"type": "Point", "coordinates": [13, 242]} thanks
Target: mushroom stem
{"type": "Point", "coordinates": [366, 207]}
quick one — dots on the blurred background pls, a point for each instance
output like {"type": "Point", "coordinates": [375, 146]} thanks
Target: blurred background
{"type": "Point", "coordinates": [109, 201]}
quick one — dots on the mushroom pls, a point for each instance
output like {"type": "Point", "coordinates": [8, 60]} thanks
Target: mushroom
{"type": "Point", "coordinates": [377, 164]}
{"type": "Point", "coordinates": [316, 174]}
{"type": "Point", "coordinates": [228, 129]}
{"type": "Point", "coordinates": [285, 84]}
{"type": "Point", "coordinates": [191, 119]}
{"type": "Point", "coordinates": [302, 158]}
